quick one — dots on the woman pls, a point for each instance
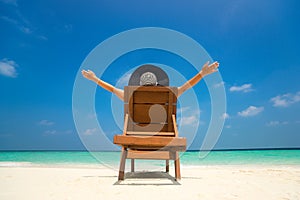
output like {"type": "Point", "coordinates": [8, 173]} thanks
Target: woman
{"type": "Point", "coordinates": [149, 78]}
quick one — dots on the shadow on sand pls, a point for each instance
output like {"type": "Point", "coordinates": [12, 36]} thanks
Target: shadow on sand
{"type": "Point", "coordinates": [148, 178]}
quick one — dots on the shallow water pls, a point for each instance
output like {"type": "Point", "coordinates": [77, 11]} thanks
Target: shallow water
{"type": "Point", "coordinates": [190, 158]}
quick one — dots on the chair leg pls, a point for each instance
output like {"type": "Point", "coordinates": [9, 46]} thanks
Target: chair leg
{"type": "Point", "coordinates": [132, 165]}
{"type": "Point", "coordinates": [122, 164]}
{"type": "Point", "coordinates": [177, 167]}
{"type": "Point", "coordinates": [167, 166]}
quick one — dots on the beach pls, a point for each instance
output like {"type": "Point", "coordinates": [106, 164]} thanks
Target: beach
{"type": "Point", "coordinates": [198, 182]}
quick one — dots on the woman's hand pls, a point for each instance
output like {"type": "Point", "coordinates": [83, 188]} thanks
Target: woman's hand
{"type": "Point", "coordinates": [89, 75]}
{"type": "Point", "coordinates": [209, 69]}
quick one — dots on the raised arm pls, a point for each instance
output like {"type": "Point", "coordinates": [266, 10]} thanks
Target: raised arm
{"type": "Point", "coordinates": [206, 70]}
{"type": "Point", "coordinates": [90, 75]}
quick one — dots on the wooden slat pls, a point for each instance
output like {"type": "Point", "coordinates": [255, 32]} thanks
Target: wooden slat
{"type": "Point", "coordinates": [141, 113]}
{"type": "Point", "coordinates": [132, 164]}
{"type": "Point", "coordinates": [125, 124]}
{"type": "Point", "coordinates": [166, 148]}
{"type": "Point", "coordinates": [149, 127]}
{"type": "Point", "coordinates": [142, 110]}
{"type": "Point", "coordinates": [170, 111]}
{"type": "Point", "coordinates": [175, 125]}
{"type": "Point", "coordinates": [153, 155]}
{"type": "Point", "coordinates": [127, 94]}
{"type": "Point", "coordinates": [167, 166]}
{"type": "Point", "coordinates": [150, 97]}
{"type": "Point", "coordinates": [177, 167]}
{"type": "Point", "coordinates": [130, 111]}
{"type": "Point", "coordinates": [150, 133]}
{"type": "Point", "coordinates": [126, 109]}
{"type": "Point", "coordinates": [154, 141]}
{"type": "Point", "coordinates": [175, 93]}
{"type": "Point", "coordinates": [122, 164]}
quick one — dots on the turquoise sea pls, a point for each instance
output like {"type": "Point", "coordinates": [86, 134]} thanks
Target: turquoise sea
{"type": "Point", "coordinates": [189, 158]}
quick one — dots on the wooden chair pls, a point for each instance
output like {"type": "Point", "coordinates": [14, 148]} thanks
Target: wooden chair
{"type": "Point", "coordinates": [150, 129]}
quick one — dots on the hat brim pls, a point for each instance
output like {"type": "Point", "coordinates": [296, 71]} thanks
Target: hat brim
{"type": "Point", "coordinates": [162, 77]}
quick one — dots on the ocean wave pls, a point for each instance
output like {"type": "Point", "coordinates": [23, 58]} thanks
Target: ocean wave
{"type": "Point", "coordinates": [16, 164]}
{"type": "Point", "coordinates": [51, 165]}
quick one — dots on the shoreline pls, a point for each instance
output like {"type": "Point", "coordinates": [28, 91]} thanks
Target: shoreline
{"type": "Point", "coordinates": [25, 164]}
{"type": "Point", "coordinates": [192, 150]}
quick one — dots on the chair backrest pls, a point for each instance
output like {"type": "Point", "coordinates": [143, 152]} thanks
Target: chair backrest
{"type": "Point", "coordinates": [150, 109]}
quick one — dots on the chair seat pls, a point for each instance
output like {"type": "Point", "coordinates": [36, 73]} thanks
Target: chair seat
{"type": "Point", "coordinates": [151, 142]}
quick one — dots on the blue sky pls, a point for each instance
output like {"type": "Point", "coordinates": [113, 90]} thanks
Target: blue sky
{"type": "Point", "coordinates": [43, 44]}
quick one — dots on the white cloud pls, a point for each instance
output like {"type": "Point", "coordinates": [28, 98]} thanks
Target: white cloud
{"type": "Point", "coordinates": [184, 109]}
{"type": "Point", "coordinates": [68, 132]}
{"type": "Point", "coordinates": [9, 20]}
{"type": "Point", "coordinates": [189, 120]}
{"type": "Point", "coordinates": [285, 100]}
{"type": "Point", "coordinates": [225, 116]}
{"type": "Point", "coordinates": [50, 132]}
{"type": "Point", "coordinates": [273, 123]}
{"type": "Point", "coordinates": [190, 116]}
{"type": "Point", "coordinates": [45, 122]}
{"type": "Point", "coordinates": [190, 110]}
{"type": "Point", "coordinates": [25, 29]}
{"type": "Point", "coordinates": [92, 116]}
{"type": "Point", "coordinates": [23, 25]}
{"type": "Point", "coordinates": [228, 126]}
{"type": "Point", "coordinates": [276, 123]}
{"type": "Point", "coordinates": [42, 37]}
{"type": "Point", "coordinates": [89, 131]}
{"type": "Point", "coordinates": [192, 120]}
{"type": "Point", "coordinates": [251, 111]}
{"type": "Point", "coordinates": [56, 132]}
{"type": "Point", "coordinates": [8, 68]}
{"type": "Point", "coordinates": [243, 88]}
{"type": "Point", "coordinates": [217, 85]}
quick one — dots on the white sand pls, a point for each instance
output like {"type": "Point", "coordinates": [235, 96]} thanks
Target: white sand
{"type": "Point", "coordinates": [207, 182]}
